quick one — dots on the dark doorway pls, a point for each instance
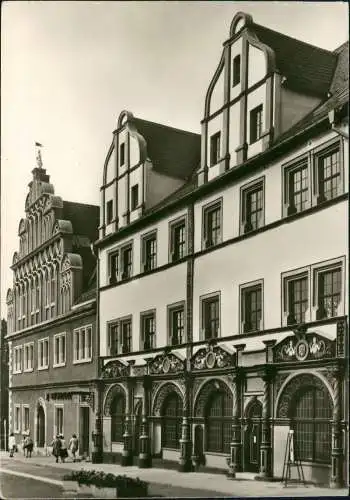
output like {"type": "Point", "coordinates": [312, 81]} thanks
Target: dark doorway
{"type": "Point", "coordinates": [84, 438]}
{"type": "Point", "coordinates": [252, 437]}
{"type": "Point", "coordinates": [40, 430]}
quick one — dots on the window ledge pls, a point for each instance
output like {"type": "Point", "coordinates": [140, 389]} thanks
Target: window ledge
{"type": "Point", "coordinates": [16, 372]}
{"type": "Point", "coordinates": [27, 370]}
{"type": "Point", "coordinates": [43, 368]}
{"type": "Point", "coordinates": [82, 361]}
{"type": "Point", "coordinates": [58, 365]}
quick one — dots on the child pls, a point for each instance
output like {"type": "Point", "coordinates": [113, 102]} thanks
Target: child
{"type": "Point", "coordinates": [12, 444]}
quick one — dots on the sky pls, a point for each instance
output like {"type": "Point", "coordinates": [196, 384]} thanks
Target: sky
{"type": "Point", "coordinates": [69, 68]}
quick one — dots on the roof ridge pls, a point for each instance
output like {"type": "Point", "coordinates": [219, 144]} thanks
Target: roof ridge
{"type": "Point", "coordinates": [294, 39]}
{"type": "Point", "coordinates": [82, 204]}
{"type": "Point", "coordinates": [167, 126]}
{"type": "Point", "coordinates": [340, 48]}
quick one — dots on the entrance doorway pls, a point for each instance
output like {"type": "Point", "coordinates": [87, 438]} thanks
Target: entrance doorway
{"type": "Point", "coordinates": [40, 430]}
{"type": "Point", "coordinates": [84, 437]}
{"type": "Point", "coordinates": [252, 437]}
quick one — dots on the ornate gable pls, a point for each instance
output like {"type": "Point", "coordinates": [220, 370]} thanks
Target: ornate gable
{"type": "Point", "coordinates": [304, 347]}
{"type": "Point", "coordinates": [212, 357]}
{"type": "Point", "coordinates": [166, 363]}
{"type": "Point", "coordinates": [115, 369]}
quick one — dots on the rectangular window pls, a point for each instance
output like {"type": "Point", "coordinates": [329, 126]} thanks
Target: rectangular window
{"type": "Point", "coordinates": [251, 308]}
{"type": "Point", "coordinates": [126, 262]}
{"type": "Point", "coordinates": [109, 211]}
{"type": "Point", "coordinates": [122, 154]}
{"type": "Point", "coordinates": [43, 354]}
{"type": "Point", "coordinates": [17, 418]}
{"type": "Point", "coordinates": [59, 349]}
{"type": "Point", "coordinates": [59, 420]}
{"type": "Point", "coordinates": [28, 360]}
{"type": "Point", "coordinates": [134, 197]}
{"type": "Point", "coordinates": [82, 339]}
{"type": "Point", "coordinates": [236, 71]}
{"type": "Point", "coordinates": [252, 206]}
{"type": "Point", "coordinates": [298, 299]}
{"type": "Point", "coordinates": [119, 337]}
{"type": "Point", "coordinates": [149, 250]}
{"type": "Point", "coordinates": [113, 267]}
{"type": "Point", "coordinates": [148, 325]}
{"type": "Point", "coordinates": [178, 240]}
{"type": "Point", "coordinates": [328, 174]}
{"type": "Point", "coordinates": [256, 116]}
{"type": "Point", "coordinates": [215, 148]}
{"type": "Point", "coordinates": [26, 422]}
{"type": "Point", "coordinates": [177, 325]}
{"type": "Point", "coordinates": [17, 362]}
{"type": "Point", "coordinates": [212, 225]}
{"type": "Point", "coordinates": [329, 292]}
{"type": "Point", "coordinates": [211, 316]}
{"type": "Point", "coordinates": [296, 188]}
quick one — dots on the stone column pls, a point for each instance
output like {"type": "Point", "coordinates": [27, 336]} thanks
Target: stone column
{"type": "Point", "coordinates": [145, 459]}
{"type": "Point", "coordinates": [97, 453]}
{"type": "Point", "coordinates": [267, 374]}
{"type": "Point", "coordinates": [127, 455]}
{"type": "Point", "coordinates": [185, 462]}
{"type": "Point", "coordinates": [235, 459]}
{"type": "Point", "coordinates": [337, 479]}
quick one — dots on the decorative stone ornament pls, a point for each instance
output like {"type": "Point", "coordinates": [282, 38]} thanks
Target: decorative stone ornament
{"type": "Point", "coordinates": [166, 363]}
{"type": "Point", "coordinates": [115, 369]}
{"type": "Point", "coordinates": [310, 346]}
{"type": "Point", "coordinates": [301, 350]}
{"type": "Point", "coordinates": [211, 357]}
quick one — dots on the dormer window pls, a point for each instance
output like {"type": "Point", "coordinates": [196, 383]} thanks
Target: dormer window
{"type": "Point", "coordinates": [215, 148]}
{"type": "Point", "coordinates": [122, 154]}
{"type": "Point", "coordinates": [134, 197]}
{"type": "Point", "coordinates": [256, 123]}
{"type": "Point", "coordinates": [236, 71]}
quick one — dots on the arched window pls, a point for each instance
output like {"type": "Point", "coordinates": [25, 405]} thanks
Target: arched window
{"type": "Point", "coordinates": [118, 416]}
{"type": "Point", "coordinates": [53, 290]}
{"type": "Point", "coordinates": [311, 421]}
{"type": "Point", "coordinates": [172, 419]}
{"type": "Point", "coordinates": [37, 299]}
{"type": "Point", "coordinates": [218, 415]}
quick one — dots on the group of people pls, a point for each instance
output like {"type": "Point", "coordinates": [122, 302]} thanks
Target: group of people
{"type": "Point", "coordinates": [27, 445]}
{"type": "Point", "coordinates": [59, 446]}
{"type": "Point", "coordinates": [60, 450]}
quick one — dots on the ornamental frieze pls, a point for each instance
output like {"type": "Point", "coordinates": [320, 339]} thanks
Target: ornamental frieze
{"type": "Point", "coordinates": [212, 357]}
{"type": "Point", "coordinates": [166, 363]}
{"type": "Point", "coordinates": [309, 346]}
{"type": "Point", "coordinates": [115, 369]}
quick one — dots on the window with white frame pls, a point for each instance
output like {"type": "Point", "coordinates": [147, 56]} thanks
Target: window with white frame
{"type": "Point", "coordinates": [119, 340]}
{"type": "Point", "coordinates": [17, 418]}
{"type": "Point", "coordinates": [328, 290]}
{"type": "Point", "coordinates": [210, 312]}
{"type": "Point", "coordinates": [212, 224]}
{"type": "Point", "coordinates": [82, 344]}
{"type": "Point", "coordinates": [59, 358]}
{"type": "Point", "coordinates": [148, 330]}
{"type": "Point", "coordinates": [256, 123]}
{"type": "Point", "coordinates": [149, 251]}
{"type": "Point", "coordinates": [177, 239]}
{"type": "Point", "coordinates": [17, 359]}
{"type": "Point", "coordinates": [126, 261]}
{"type": "Point", "coordinates": [251, 295]}
{"type": "Point", "coordinates": [296, 297]}
{"type": "Point", "coordinates": [28, 357]}
{"type": "Point", "coordinates": [53, 292]}
{"type": "Point", "coordinates": [328, 172]}
{"type": "Point", "coordinates": [252, 206]}
{"type": "Point", "coordinates": [26, 421]}
{"type": "Point", "coordinates": [113, 266]}
{"type": "Point", "coordinates": [215, 148]}
{"type": "Point", "coordinates": [43, 353]}
{"type": "Point", "coordinates": [176, 323]}
{"type": "Point", "coordinates": [59, 420]}
{"type": "Point", "coordinates": [297, 196]}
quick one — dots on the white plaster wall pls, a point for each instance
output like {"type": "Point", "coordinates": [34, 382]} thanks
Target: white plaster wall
{"type": "Point", "coordinates": [122, 137]}
{"type": "Point", "coordinates": [217, 96]}
{"type": "Point", "coordinates": [214, 125]}
{"type": "Point", "coordinates": [320, 236]}
{"type": "Point", "coordinates": [294, 107]}
{"type": "Point", "coordinates": [109, 195]}
{"type": "Point", "coordinates": [153, 291]}
{"type": "Point", "coordinates": [122, 200]}
{"type": "Point", "coordinates": [255, 98]}
{"type": "Point", "coordinates": [134, 151]}
{"type": "Point", "coordinates": [256, 65]}
{"type": "Point", "coordinates": [111, 171]}
{"type": "Point", "coordinates": [236, 49]}
{"type": "Point", "coordinates": [234, 142]}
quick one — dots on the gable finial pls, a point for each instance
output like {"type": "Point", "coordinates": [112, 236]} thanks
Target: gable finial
{"type": "Point", "coordinates": [39, 161]}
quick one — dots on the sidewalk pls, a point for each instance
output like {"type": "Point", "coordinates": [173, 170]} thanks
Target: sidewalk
{"type": "Point", "coordinates": [171, 483]}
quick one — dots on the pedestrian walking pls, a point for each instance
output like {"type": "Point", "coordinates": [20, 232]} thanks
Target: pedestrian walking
{"type": "Point", "coordinates": [56, 447]}
{"type": "Point", "coordinates": [63, 449]}
{"type": "Point", "coordinates": [12, 444]}
{"type": "Point", "coordinates": [28, 446]}
{"type": "Point", "coordinates": [73, 445]}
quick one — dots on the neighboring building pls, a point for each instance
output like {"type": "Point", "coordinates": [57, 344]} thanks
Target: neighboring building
{"type": "Point", "coordinates": [222, 287]}
{"type": "Point", "coordinates": [4, 386]}
{"type": "Point", "coordinates": [52, 319]}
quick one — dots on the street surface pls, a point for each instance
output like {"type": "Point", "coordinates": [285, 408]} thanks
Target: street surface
{"type": "Point", "coordinates": [19, 487]}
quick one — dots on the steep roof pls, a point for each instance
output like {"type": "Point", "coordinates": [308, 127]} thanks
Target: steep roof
{"type": "Point", "coordinates": [84, 218]}
{"type": "Point", "coordinates": [308, 69]}
{"type": "Point", "coordinates": [173, 152]}
{"type": "Point", "coordinates": [338, 94]}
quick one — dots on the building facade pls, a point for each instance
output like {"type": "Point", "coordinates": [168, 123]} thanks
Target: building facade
{"type": "Point", "coordinates": [52, 319]}
{"type": "Point", "coordinates": [4, 386]}
{"type": "Point", "coordinates": [223, 270]}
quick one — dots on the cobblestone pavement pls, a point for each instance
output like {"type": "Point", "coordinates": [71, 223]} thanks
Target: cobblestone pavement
{"type": "Point", "coordinates": [171, 483]}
